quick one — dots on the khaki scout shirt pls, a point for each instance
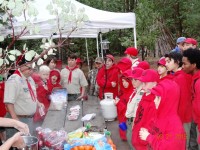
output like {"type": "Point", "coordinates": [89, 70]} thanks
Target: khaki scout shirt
{"type": "Point", "coordinates": [132, 104]}
{"type": "Point", "coordinates": [17, 93]}
{"type": "Point", "coordinates": [78, 80]}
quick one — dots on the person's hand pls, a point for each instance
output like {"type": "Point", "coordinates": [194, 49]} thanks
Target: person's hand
{"type": "Point", "coordinates": [116, 100]}
{"type": "Point", "coordinates": [143, 133]}
{"type": "Point", "coordinates": [22, 127]}
{"type": "Point", "coordinates": [113, 84]}
{"type": "Point", "coordinates": [40, 104]}
{"type": "Point", "coordinates": [18, 140]}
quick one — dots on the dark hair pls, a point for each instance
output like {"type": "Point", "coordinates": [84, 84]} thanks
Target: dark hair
{"type": "Point", "coordinates": [49, 59]}
{"type": "Point", "coordinates": [72, 56]}
{"type": "Point", "coordinates": [21, 60]}
{"type": "Point", "coordinates": [177, 57]}
{"type": "Point", "coordinates": [193, 56]}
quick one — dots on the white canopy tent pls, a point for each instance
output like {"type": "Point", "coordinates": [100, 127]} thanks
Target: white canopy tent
{"type": "Point", "coordinates": [99, 21]}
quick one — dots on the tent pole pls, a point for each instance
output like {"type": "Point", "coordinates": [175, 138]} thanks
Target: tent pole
{"type": "Point", "coordinates": [101, 45]}
{"type": "Point", "coordinates": [86, 46]}
{"type": "Point", "coordinates": [97, 46]}
{"type": "Point", "coordinates": [134, 35]}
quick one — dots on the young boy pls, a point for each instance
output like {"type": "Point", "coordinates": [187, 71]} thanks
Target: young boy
{"type": "Point", "coordinates": [132, 53]}
{"type": "Point", "coordinates": [107, 78]}
{"type": "Point", "coordinates": [145, 109]}
{"type": "Point", "coordinates": [162, 69]}
{"type": "Point", "coordinates": [191, 65]}
{"type": "Point", "coordinates": [73, 79]}
{"type": "Point", "coordinates": [189, 43]}
{"type": "Point", "coordinates": [93, 87]}
{"type": "Point", "coordinates": [165, 130]}
{"type": "Point", "coordinates": [174, 64]}
{"type": "Point", "coordinates": [132, 104]}
{"type": "Point", "coordinates": [126, 89]}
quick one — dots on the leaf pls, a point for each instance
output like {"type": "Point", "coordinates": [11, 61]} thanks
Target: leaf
{"type": "Point", "coordinates": [6, 60]}
{"type": "Point", "coordinates": [1, 61]}
{"type": "Point", "coordinates": [11, 57]}
{"type": "Point", "coordinates": [24, 47]}
{"type": "Point", "coordinates": [50, 52]}
{"type": "Point", "coordinates": [29, 55]}
{"type": "Point", "coordinates": [11, 5]}
{"type": "Point", "coordinates": [45, 56]}
{"type": "Point", "coordinates": [40, 62]}
{"type": "Point", "coordinates": [44, 40]}
{"type": "Point", "coordinates": [1, 38]}
{"type": "Point", "coordinates": [15, 52]}
{"type": "Point", "coordinates": [1, 1]}
{"type": "Point", "coordinates": [5, 17]}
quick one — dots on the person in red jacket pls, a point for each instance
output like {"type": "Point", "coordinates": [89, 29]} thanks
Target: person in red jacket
{"type": "Point", "coordinates": [42, 89]}
{"type": "Point", "coordinates": [162, 69]}
{"type": "Point", "coordinates": [191, 65]}
{"type": "Point", "coordinates": [174, 64]}
{"type": "Point", "coordinates": [145, 108]}
{"type": "Point", "coordinates": [165, 130]}
{"type": "Point", "coordinates": [54, 80]}
{"type": "Point", "coordinates": [123, 100]}
{"type": "Point", "coordinates": [2, 105]}
{"type": "Point", "coordinates": [107, 78]}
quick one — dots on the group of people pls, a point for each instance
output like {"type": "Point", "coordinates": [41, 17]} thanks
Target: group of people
{"type": "Point", "coordinates": [160, 107]}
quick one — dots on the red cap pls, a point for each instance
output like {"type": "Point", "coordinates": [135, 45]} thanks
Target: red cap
{"type": "Point", "coordinates": [149, 75]}
{"type": "Point", "coordinates": [190, 41]}
{"type": "Point", "coordinates": [78, 60]}
{"type": "Point", "coordinates": [162, 61]}
{"type": "Point", "coordinates": [110, 56]}
{"type": "Point", "coordinates": [144, 65]}
{"type": "Point", "coordinates": [131, 51]}
{"type": "Point", "coordinates": [124, 64]}
{"type": "Point", "coordinates": [135, 73]}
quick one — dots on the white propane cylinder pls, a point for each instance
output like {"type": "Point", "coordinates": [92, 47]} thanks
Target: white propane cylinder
{"type": "Point", "coordinates": [109, 110]}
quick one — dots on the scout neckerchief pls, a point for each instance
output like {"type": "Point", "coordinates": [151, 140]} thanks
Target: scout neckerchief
{"type": "Point", "coordinates": [70, 73]}
{"type": "Point", "coordinates": [29, 86]}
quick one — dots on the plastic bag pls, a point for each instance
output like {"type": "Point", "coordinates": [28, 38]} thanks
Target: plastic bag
{"type": "Point", "coordinates": [39, 115]}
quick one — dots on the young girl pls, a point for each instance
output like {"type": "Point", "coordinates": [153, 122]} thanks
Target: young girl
{"type": "Point", "coordinates": [162, 69]}
{"type": "Point", "coordinates": [127, 90]}
{"type": "Point", "coordinates": [165, 130]}
{"type": "Point", "coordinates": [54, 80]}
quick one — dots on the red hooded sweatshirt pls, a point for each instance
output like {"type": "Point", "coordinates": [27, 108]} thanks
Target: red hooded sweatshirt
{"type": "Point", "coordinates": [166, 129]}
{"type": "Point", "coordinates": [2, 105]}
{"type": "Point", "coordinates": [42, 93]}
{"type": "Point", "coordinates": [49, 82]}
{"type": "Point", "coordinates": [104, 79]}
{"type": "Point", "coordinates": [196, 99]}
{"type": "Point", "coordinates": [122, 104]}
{"type": "Point", "coordinates": [185, 100]}
{"type": "Point", "coordinates": [145, 111]}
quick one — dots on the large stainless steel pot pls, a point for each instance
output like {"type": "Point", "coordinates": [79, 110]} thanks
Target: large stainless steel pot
{"type": "Point", "coordinates": [31, 143]}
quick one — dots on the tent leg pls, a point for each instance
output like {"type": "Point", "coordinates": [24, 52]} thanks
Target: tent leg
{"type": "Point", "coordinates": [101, 45]}
{"type": "Point", "coordinates": [134, 36]}
{"type": "Point", "coordinates": [97, 46]}
{"type": "Point", "coordinates": [86, 46]}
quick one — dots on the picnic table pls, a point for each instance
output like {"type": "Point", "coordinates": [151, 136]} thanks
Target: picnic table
{"type": "Point", "coordinates": [57, 120]}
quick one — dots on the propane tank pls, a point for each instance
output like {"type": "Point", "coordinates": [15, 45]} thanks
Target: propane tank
{"type": "Point", "coordinates": [109, 110]}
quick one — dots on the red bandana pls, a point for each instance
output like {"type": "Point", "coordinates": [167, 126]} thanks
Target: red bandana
{"type": "Point", "coordinates": [70, 73]}
{"type": "Point", "coordinates": [29, 86]}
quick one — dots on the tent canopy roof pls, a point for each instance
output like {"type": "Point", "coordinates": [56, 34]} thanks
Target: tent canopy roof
{"type": "Point", "coordinates": [99, 21]}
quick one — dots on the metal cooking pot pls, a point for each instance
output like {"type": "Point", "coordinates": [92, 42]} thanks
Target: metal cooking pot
{"type": "Point", "coordinates": [31, 143]}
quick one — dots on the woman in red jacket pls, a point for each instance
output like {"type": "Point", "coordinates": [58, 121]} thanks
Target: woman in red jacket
{"type": "Point", "coordinates": [107, 78]}
{"type": "Point", "coordinates": [174, 63]}
{"type": "Point", "coordinates": [165, 130]}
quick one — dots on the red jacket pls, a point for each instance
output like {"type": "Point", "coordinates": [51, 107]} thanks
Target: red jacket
{"type": "Point", "coordinates": [144, 113]}
{"type": "Point", "coordinates": [2, 105]}
{"type": "Point", "coordinates": [166, 129]}
{"type": "Point", "coordinates": [185, 100]}
{"type": "Point", "coordinates": [196, 98]}
{"type": "Point", "coordinates": [104, 79]}
{"type": "Point", "coordinates": [42, 93]}
{"type": "Point", "coordinates": [122, 105]}
{"type": "Point", "coordinates": [49, 82]}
